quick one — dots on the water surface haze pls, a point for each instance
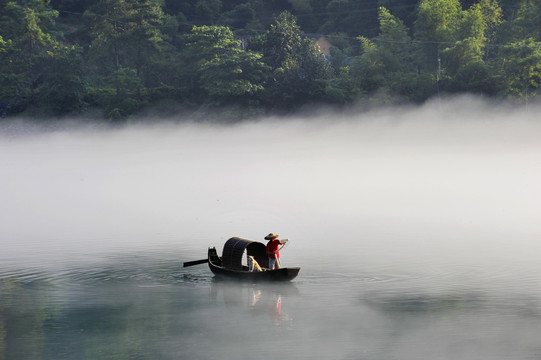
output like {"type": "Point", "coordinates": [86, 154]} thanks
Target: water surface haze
{"type": "Point", "coordinates": [417, 230]}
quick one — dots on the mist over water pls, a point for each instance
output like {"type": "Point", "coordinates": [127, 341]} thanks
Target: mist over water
{"type": "Point", "coordinates": [417, 230]}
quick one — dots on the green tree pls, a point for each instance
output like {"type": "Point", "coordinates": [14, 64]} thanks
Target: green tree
{"type": "Point", "coordinates": [11, 82]}
{"type": "Point", "coordinates": [207, 10]}
{"type": "Point", "coordinates": [436, 27]}
{"type": "Point", "coordinates": [27, 29]}
{"type": "Point", "coordinates": [281, 43]}
{"type": "Point", "coordinates": [527, 22]}
{"type": "Point", "coordinates": [225, 72]}
{"type": "Point", "coordinates": [239, 17]}
{"type": "Point", "coordinates": [203, 45]}
{"type": "Point", "coordinates": [350, 16]}
{"type": "Point", "coordinates": [127, 37]}
{"type": "Point", "coordinates": [474, 77]}
{"type": "Point", "coordinates": [493, 17]}
{"type": "Point", "coordinates": [127, 32]}
{"type": "Point", "coordinates": [31, 19]}
{"type": "Point", "coordinates": [299, 69]}
{"type": "Point", "coordinates": [27, 25]}
{"type": "Point", "coordinates": [464, 67]}
{"type": "Point", "coordinates": [520, 69]}
{"type": "Point", "coordinates": [387, 64]}
{"type": "Point", "coordinates": [394, 39]}
{"type": "Point", "coordinates": [470, 44]}
{"type": "Point", "coordinates": [146, 38]}
{"type": "Point", "coordinates": [369, 70]}
{"type": "Point", "coordinates": [341, 89]}
{"type": "Point", "coordinates": [110, 28]}
{"type": "Point", "coordinates": [63, 87]}
{"type": "Point", "coordinates": [235, 74]}
{"type": "Point", "coordinates": [222, 74]}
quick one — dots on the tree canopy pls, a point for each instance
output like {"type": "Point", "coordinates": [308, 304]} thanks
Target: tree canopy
{"type": "Point", "coordinates": [120, 57]}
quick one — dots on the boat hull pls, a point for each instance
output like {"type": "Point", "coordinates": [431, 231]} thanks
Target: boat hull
{"type": "Point", "coordinates": [282, 274]}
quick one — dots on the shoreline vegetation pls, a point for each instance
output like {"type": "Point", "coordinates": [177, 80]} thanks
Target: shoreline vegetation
{"type": "Point", "coordinates": [115, 60]}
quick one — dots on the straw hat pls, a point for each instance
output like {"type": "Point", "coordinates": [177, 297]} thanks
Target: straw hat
{"type": "Point", "coordinates": [271, 236]}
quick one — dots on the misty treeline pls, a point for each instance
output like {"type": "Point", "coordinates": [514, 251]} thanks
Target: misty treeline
{"type": "Point", "coordinates": [116, 58]}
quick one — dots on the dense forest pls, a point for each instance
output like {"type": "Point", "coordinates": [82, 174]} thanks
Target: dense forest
{"type": "Point", "coordinates": [119, 58]}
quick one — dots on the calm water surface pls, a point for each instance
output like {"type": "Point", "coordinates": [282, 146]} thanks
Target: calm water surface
{"type": "Point", "coordinates": [141, 306]}
{"type": "Point", "coordinates": [417, 232]}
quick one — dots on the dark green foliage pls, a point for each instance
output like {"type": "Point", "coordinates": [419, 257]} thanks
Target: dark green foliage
{"type": "Point", "coordinates": [239, 17]}
{"type": "Point", "coordinates": [226, 73]}
{"type": "Point", "coordinates": [63, 86]}
{"type": "Point", "coordinates": [520, 69]}
{"type": "Point", "coordinates": [297, 64]}
{"type": "Point", "coordinates": [282, 42]}
{"type": "Point", "coordinates": [474, 77]}
{"type": "Point", "coordinates": [122, 56]}
{"type": "Point", "coordinates": [352, 17]}
{"type": "Point", "coordinates": [341, 89]}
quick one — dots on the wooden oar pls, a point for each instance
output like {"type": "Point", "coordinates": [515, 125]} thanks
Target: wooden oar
{"type": "Point", "coordinates": [195, 262]}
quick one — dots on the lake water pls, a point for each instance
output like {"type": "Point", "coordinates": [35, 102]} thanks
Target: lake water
{"type": "Point", "coordinates": [417, 231]}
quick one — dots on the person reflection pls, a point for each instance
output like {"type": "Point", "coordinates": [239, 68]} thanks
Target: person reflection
{"type": "Point", "coordinates": [275, 310]}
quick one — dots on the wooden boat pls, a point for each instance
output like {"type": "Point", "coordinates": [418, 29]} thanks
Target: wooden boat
{"type": "Point", "coordinates": [230, 263]}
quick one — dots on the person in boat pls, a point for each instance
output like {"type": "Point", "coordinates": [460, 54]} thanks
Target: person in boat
{"type": "Point", "coordinates": [273, 247]}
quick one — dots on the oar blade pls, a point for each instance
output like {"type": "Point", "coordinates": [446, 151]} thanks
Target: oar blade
{"type": "Point", "coordinates": [195, 262]}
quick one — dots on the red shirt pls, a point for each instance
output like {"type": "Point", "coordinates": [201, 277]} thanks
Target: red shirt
{"type": "Point", "coordinates": [273, 246]}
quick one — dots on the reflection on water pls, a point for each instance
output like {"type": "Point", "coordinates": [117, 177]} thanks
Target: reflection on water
{"type": "Point", "coordinates": [256, 299]}
{"type": "Point", "coordinates": [151, 310]}
{"type": "Point", "coordinates": [156, 309]}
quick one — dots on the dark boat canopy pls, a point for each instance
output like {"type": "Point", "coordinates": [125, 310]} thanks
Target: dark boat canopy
{"type": "Point", "coordinates": [234, 250]}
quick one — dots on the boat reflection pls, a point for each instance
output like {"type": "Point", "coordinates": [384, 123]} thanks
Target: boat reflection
{"type": "Point", "coordinates": [256, 299]}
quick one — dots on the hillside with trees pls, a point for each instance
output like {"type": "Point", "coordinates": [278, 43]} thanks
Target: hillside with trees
{"type": "Point", "coordinates": [119, 58]}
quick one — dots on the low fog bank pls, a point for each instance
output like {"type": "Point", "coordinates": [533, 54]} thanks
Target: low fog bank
{"type": "Point", "coordinates": [457, 177]}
